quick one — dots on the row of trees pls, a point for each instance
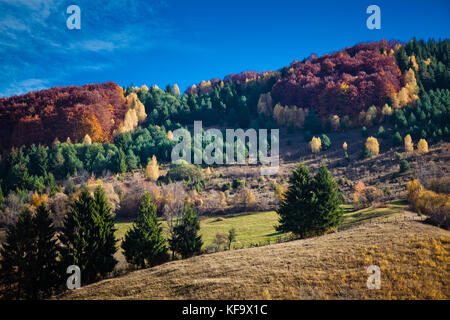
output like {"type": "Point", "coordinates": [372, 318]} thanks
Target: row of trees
{"type": "Point", "coordinates": [144, 244]}
{"type": "Point", "coordinates": [34, 258]}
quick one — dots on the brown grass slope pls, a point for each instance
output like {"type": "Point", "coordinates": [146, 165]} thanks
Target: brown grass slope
{"type": "Point", "coordinates": [414, 259]}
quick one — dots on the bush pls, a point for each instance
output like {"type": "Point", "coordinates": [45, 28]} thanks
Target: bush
{"type": "Point", "coordinates": [238, 183]}
{"type": "Point", "coordinates": [397, 139]}
{"type": "Point", "coordinates": [404, 166]}
{"type": "Point", "coordinates": [436, 206]}
{"type": "Point", "coordinates": [439, 185]}
{"type": "Point", "coordinates": [183, 171]}
{"type": "Point", "coordinates": [326, 142]}
{"type": "Point", "coordinates": [364, 197]}
{"type": "Point", "coordinates": [226, 186]}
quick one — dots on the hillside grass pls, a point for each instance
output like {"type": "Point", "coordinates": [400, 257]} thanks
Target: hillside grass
{"type": "Point", "coordinates": [259, 227]}
{"type": "Point", "coordinates": [414, 259]}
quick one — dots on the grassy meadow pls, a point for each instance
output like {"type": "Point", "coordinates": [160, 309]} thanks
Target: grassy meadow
{"type": "Point", "coordinates": [259, 227]}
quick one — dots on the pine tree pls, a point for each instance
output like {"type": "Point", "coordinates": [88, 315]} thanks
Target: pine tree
{"type": "Point", "coordinates": [48, 270]}
{"type": "Point", "coordinates": [16, 260]}
{"type": "Point", "coordinates": [297, 203]}
{"type": "Point", "coordinates": [107, 241]}
{"type": "Point", "coordinates": [326, 142]}
{"type": "Point", "coordinates": [186, 240]}
{"type": "Point", "coordinates": [131, 160]}
{"type": "Point", "coordinates": [327, 213]}
{"type": "Point", "coordinates": [144, 243]}
{"type": "Point", "coordinates": [80, 237]}
{"type": "Point", "coordinates": [310, 205]}
{"type": "Point", "coordinates": [397, 140]}
{"type": "Point", "coordinates": [2, 199]}
{"type": "Point", "coordinates": [29, 264]}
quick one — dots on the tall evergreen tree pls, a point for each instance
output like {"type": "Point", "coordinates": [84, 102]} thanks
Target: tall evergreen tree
{"type": "Point", "coordinates": [107, 241]}
{"type": "Point", "coordinates": [144, 243]}
{"type": "Point", "coordinates": [29, 258]}
{"type": "Point", "coordinates": [186, 240]}
{"type": "Point", "coordinates": [327, 213]}
{"type": "Point", "coordinates": [47, 269]}
{"type": "Point", "coordinates": [310, 205]}
{"type": "Point", "coordinates": [81, 237]}
{"type": "Point", "coordinates": [16, 258]}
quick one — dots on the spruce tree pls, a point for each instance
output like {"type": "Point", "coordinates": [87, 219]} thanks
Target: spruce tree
{"type": "Point", "coordinates": [81, 236]}
{"type": "Point", "coordinates": [48, 271]}
{"type": "Point", "coordinates": [297, 203]}
{"type": "Point", "coordinates": [29, 258]}
{"type": "Point", "coordinates": [327, 213]}
{"type": "Point", "coordinates": [186, 240]}
{"type": "Point", "coordinates": [107, 241]}
{"type": "Point", "coordinates": [144, 243]}
{"type": "Point", "coordinates": [16, 258]}
{"type": "Point", "coordinates": [310, 205]}
{"type": "Point", "coordinates": [2, 198]}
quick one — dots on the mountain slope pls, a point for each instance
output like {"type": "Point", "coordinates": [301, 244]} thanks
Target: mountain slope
{"type": "Point", "coordinates": [414, 259]}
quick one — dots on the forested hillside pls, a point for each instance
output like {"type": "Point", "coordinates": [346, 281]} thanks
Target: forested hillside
{"type": "Point", "coordinates": [400, 88]}
{"type": "Point", "coordinates": [60, 113]}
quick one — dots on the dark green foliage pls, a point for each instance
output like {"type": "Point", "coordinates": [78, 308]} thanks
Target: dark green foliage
{"type": "Point", "coordinates": [106, 240]}
{"type": "Point", "coordinates": [144, 244]}
{"type": "Point", "coordinates": [311, 204]}
{"type": "Point", "coordinates": [2, 198]}
{"type": "Point", "coordinates": [326, 142]}
{"type": "Point", "coordinates": [29, 257]}
{"type": "Point", "coordinates": [365, 153]}
{"type": "Point", "coordinates": [186, 241]}
{"type": "Point", "coordinates": [312, 122]}
{"type": "Point", "coordinates": [404, 166]}
{"type": "Point", "coordinates": [183, 171]}
{"type": "Point", "coordinates": [238, 183]}
{"type": "Point", "coordinates": [131, 160]}
{"type": "Point", "coordinates": [86, 237]}
{"type": "Point", "coordinates": [231, 237]}
{"type": "Point", "coordinates": [364, 132]}
{"type": "Point", "coordinates": [397, 139]}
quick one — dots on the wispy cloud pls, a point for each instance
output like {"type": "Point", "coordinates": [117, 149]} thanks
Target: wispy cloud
{"type": "Point", "coordinates": [37, 49]}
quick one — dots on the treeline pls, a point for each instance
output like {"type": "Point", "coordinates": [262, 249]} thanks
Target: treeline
{"type": "Point", "coordinates": [37, 168]}
{"type": "Point", "coordinates": [228, 102]}
{"type": "Point", "coordinates": [39, 117]}
{"type": "Point", "coordinates": [430, 116]}
{"type": "Point", "coordinates": [34, 257]}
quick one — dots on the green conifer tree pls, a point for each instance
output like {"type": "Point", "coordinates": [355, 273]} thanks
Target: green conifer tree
{"type": "Point", "coordinates": [186, 240]}
{"type": "Point", "coordinates": [144, 244]}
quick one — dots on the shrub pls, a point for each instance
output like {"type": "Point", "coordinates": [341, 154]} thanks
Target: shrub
{"type": "Point", "coordinates": [436, 206]}
{"type": "Point", "coordinates": [397, 139]}
{"type": "Point", "coordinates": [363, 196]}
{"type": "Point", "coordinates": [373, 146]}
{"type": "Point", "coordinates": [315, 144]}
{"type": "Point", "coordinates": [404, 166]}
{"type": "Point", "coordinates": [183, 171]}
{"type": "Point", "coordinates": [226, 186]}
{"type": "Point", "coordinates": [238, 183]}
{"type": "Point", "coordinates": [326, 142]}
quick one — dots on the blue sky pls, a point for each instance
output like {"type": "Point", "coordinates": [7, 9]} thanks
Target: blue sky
{"type": "Point", "coordinates": [166, 41]}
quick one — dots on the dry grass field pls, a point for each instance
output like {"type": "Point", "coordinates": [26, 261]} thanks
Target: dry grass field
{"type": "Point", "coordinates": [414, 259]}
